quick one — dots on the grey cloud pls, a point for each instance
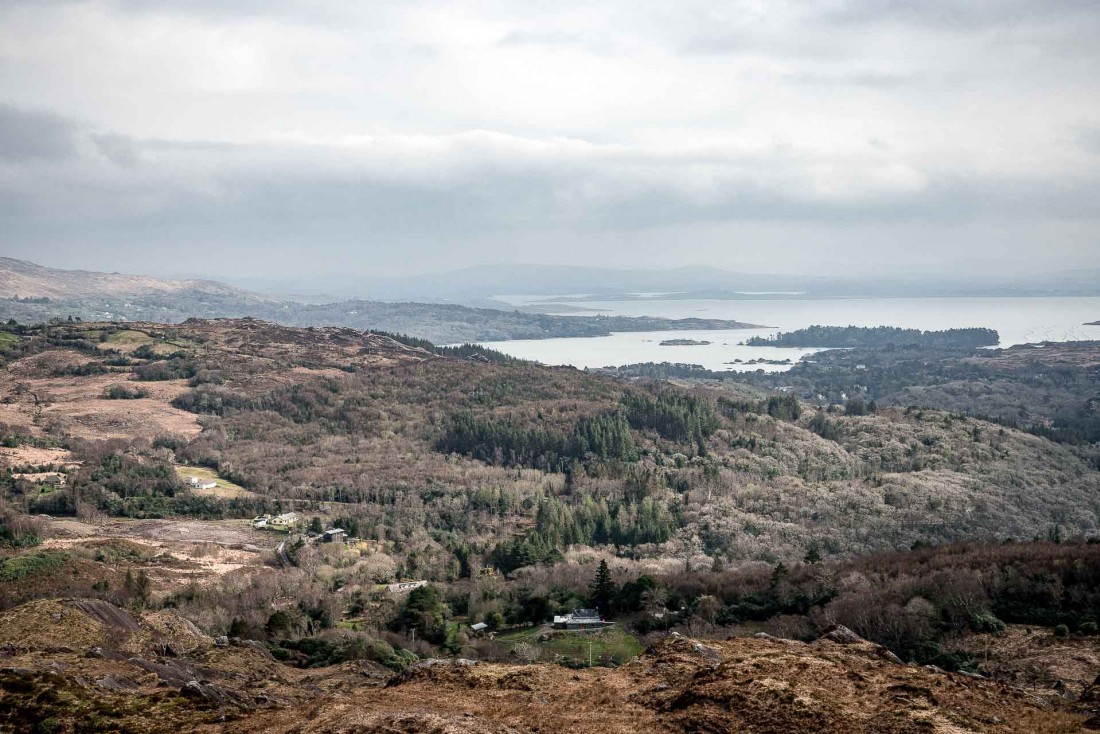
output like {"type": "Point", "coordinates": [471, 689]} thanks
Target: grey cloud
{"type": "Point", "coordinates": [27, 136]}
{"type": "Point", "coordinates": [958, 14]}
{"type": "Point", "coordinates": [465, 187]}
{"type": "Point", "coordinates": [868, 79]}
{"type": "Point", "coordinates": [1088, 138]}
{"type": "Point", "coordinates": [118, 149]}
{"type": "Point", "coordinates": [540, 38]}
{"type": "Point", "coordinates": [407, 130]}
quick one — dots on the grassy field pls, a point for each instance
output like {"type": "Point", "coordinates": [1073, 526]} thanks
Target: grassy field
{"type": "Point", "coordinates": [7, 339]}
{"type": "Point", "coordinates": [611, 645]}
{"type": "Point", "coordinates": [127, 340]}
{"type": "Point", "coordinates": [225, 488]}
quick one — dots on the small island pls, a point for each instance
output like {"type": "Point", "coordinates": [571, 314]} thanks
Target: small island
{"type": "Point", "coordinates": [848, 337]}
{"type": "Point", "coordinates": [684, 343]}
{"type": "Point", "coordinates": [760, 360]}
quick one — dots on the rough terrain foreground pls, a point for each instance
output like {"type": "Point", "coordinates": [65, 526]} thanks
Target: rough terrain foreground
{"type": "Point", "coordinates": [87, 666]}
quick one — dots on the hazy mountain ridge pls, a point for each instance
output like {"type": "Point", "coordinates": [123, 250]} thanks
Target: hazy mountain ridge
{"type": "Point", "coordinates": [37, 294]}
{"type": "Point", "coordinates": [23, 279]}
{"type": "Point", "coordinates": [563, 283]}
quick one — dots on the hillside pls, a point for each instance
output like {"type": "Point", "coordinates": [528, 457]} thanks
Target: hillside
{"type": "Point", "coordinates": [85, 665]}
{"type": "Point", "coordinates": [321, 414]}
{"type": "Point", "coordinates": [22, 279]}
{"type": "Point", "coordinates": [32, 294]}
{"type": "Point", "coordinates": [511, 493]}
{"type": "Point", "coordinates": [1050, 389]}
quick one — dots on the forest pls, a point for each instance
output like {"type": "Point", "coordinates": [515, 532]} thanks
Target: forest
{"type": "Point", "coordinates": [846, 337]}
{"type": "Point", "coordinates": [709, 506]}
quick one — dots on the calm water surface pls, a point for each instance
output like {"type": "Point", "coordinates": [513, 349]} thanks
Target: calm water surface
{"type": "Point", "coordinates": [1018, 320]}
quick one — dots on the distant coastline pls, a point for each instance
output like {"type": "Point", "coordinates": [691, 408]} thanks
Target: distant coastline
{"type": "Point", "coordinates": [684, 343]}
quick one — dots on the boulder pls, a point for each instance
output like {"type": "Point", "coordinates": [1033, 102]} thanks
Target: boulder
{"type": "Point", "coordinates": [841, 635]}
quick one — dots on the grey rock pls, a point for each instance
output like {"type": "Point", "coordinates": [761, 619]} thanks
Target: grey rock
{"type": "Point", "coordinates": [841, 635]}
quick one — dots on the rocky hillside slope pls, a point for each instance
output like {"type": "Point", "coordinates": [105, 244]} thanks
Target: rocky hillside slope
{"type": "Point", "coordinates": [84, 665]}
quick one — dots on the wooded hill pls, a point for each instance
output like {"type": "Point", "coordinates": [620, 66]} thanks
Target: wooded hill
{"type": "Point", "coordinates": [438, 452]}
{"type": "Point", "coordinates": [846, 337]}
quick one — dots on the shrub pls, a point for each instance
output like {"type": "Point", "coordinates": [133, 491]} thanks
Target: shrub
{"type": "Point", "coordinates": [1088, 628]}
{"type": "Point", "coordinates": [17, 530]}
{"type": "Point", "coordinates": [1061, 631]}
{"type": "Point", "coordinates": [121, 392]}
{"type": "Point", "coordinates": [32, 564]}
{"type": "Point", "coordinates": [986, 622]}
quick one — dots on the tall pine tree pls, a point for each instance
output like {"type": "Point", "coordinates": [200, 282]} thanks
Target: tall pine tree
{"type": "Point", "coordinates": [603, 589]}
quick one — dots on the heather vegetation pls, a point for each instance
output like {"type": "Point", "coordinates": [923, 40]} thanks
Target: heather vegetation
{"type": "Point", "coordinates": [1051, 390]}
{"type": "Point", "coordinates": [520, 492]}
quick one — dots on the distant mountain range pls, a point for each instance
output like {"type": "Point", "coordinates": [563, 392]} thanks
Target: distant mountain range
{"type": "Point", "coordinates": [32, 293]}
{"type": "Point", "coordinates": [22, 279]}
{"type": "Point", "coordinates": [478, 285]}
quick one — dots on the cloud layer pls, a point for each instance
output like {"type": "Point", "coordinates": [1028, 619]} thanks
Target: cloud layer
{"type": "Point", "coordinates": [281, 137]}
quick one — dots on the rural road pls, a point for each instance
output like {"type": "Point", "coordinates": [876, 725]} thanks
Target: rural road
{"type": "Point", "coordinates": [281, 550]}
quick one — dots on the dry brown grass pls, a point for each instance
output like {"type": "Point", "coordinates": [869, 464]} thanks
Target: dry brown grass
{"type": "Point", "coordinates": [681, 685]}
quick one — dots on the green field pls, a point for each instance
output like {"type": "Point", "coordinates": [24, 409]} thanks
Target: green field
{"type": "Point", "coordinates": [127, 340]}
{"type": "Point", "coordinates": [608, 646]}
{"type": "Point", "coordinates": [7, 339]}
{"type": "Point", "coordinates": [225, 488]}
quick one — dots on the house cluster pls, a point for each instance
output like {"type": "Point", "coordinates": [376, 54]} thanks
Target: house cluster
{"type": "Point", "coordinates": [286, 521]}
{"type": "Point", "coordinates": [581, 619]}
{"type": "Point", "coordinates": [200, 483]}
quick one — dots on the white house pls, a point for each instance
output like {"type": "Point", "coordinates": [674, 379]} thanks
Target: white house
{"type": "Point", "coordinates": [200, 483]}
{"type": "Point", "coordinates": [285, 520]}
{"type": "Point", "coordinates": [580, 619]}
{"type": "Point", "coordinates": [402, 586]}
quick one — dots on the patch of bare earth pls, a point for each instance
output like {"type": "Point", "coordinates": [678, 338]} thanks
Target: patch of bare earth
{"type": "Point", "coordinates": [1034, 659]}
{"type": "Point", "coordinates": [76, 406]}
{"type": "Point", "coordinates": [157, 662]}
{"type": "Point", "coordinates": [23, 455]}
{"type": "Point", "coordinates": [172, 553]}
{"type": "Point", "coordinates": [681, 685]}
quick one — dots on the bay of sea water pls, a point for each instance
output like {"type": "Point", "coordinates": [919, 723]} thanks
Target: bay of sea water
{"type": "Point", "coordinates": [1017, 320]}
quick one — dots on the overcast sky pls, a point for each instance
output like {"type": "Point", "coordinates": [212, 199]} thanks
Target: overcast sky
{"type": "Point", "coordinates": [275, 137]}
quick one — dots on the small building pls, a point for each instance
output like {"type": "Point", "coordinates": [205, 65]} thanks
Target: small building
{"type": "Point", "coordinates": [286, 520]}
{"type": "Point", "coordinates": [260, 522]}
{"type": "Point", "coordinates": [51, 479]}
{"type": "Point", "coordinates": [335, 535]}
{"type": "Point", "coordinates": [199, 483]}
{"type": "Point", "coordinates": [580, 619]}
{"type": "Point", "coordinates": [403, 586]}
{"type": "Point", "coordinates": [479, 627]}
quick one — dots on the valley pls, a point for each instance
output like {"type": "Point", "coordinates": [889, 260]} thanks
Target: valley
{"type": "Point", "coordinates": [501, 492]}
{"type": "Point", "coordinates": [583, 368]}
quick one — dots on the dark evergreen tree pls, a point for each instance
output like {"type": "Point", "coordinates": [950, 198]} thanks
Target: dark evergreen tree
{"type": "Point", "coordinates": [603, 589]}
